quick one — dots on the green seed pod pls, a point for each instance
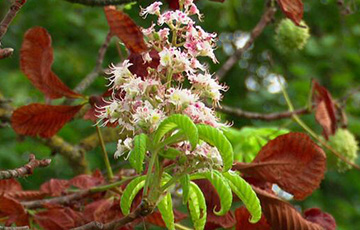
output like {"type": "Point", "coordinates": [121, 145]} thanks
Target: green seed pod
{"type": "Point", "coordinates": [344, 143]}
{"type": "Point", "coordinates": [289, 37]}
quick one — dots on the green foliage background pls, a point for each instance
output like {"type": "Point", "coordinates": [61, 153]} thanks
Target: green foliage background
{"type": "Point", "coordinates": [332, 56]}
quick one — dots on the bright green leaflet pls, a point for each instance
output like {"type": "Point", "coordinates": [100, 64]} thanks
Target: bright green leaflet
{"type": "Point", "coordinates": [222, 187]}
{"type": "Point", "coordinates": [197, 206]}
{"type": "Point", "coordinates": [244, 191]}
{"type": "Point", "coordinates": [166, 210]}
{"type": "Point", "coordinates": [130, 192]}
{"type": "Point", "coordinates": [181, 122]}
{"type": "Point", "coordinates": [185, 182]}
{"type": "Point", "coordinates": [216, 138]}
{"type": "Point", "coordinates": [137, 155]}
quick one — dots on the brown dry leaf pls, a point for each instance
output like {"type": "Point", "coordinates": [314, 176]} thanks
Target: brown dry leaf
{"type": "Point", "coordinates": [282, 215]}
{"type": "Point", "coordinates": [36, 59]}
{"type": "Point", "coordinates": [293, 9]}
{"type": "Point", "coordinates": [325, 109]}
{"type": "Point", "coordinates": [156, 219]}
{"type": "Point", "coordinates": [59, 219]}
{"type": "Point", "coordinates": [9, 185]}
{"type": "Point", "coordinates": [85, 181]}
{"type": "Point", "coordinates": [293, 161]}
{"type": "Point", "coordinates": [14, 211]}
{"type": "Point", "coordinates": [43, 120]}
{"type": "Point", "coordinates": [242, 217]}
{"type": "Point", "coordinates": [125, 29]}
{"type": "Point", "coordinates": [324, 219]}
{"type": "Point", "coordinates": [54, 187]}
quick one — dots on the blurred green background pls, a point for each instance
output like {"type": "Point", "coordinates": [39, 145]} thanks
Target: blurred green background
{"type": "Point", "coordinates": [332, 56]}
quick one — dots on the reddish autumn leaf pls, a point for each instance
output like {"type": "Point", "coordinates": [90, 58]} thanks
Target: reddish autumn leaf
{"type": "Point", "coordinates": [242, 217]}
{"type": "Point", "coordinates": [156, 219]}
{"type": "Point", "coordinates": [324, 109]}
{"type": "Point", "coordinates": [14, 211]}
{"type": "Point", "coordinates": [139, 67]}
{"type": "Point", "coordinates": [9, 185]}
{"type": "Point", "coordinates": [43, 120]}
{"type": "Point", "coordinates": [322, 218]}
{"type": "Point", "coordinates": [293, 161]}
{"type": "Point", "coordinates": [125, 28]}
{"type": "Point", "coordinates": [282, 215]}
{"type": "Point", "coordinates": [55, 187]}
{"type": "Point", "coordinates": [212, 199]}
{"type": "Point", "coordinates": [293, 9]}
{"type": "Point", "coordinates": [36, 58]}
{"type": "Point", "coordinates": [85, 181]}
{"type": "Point", "coordinates": [59, 219]}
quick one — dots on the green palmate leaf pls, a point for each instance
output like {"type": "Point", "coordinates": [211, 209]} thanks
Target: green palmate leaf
{"type": "Point", "coordinates": [216, 138]}
{"type": "Point", "coordinates": [244, 191]}
{"type": "Point", "coordinates": [222, 187]}
{"type": "Point", "coordinates": [130, 192]}
{"type": "Point", "coordinates": [185, 184]}
{"type": "Point", "coordinates": [197, 206]}
{"type": "Point", "coordinates": [178, 122]}
{"type": "Point", "coordinates": [166, 209]}
{"type": "Point", "coordinates": [137, 155]}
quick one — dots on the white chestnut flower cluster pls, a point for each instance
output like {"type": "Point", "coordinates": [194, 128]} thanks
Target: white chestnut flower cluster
{"type": "Point", "coordinates": [140, 103]}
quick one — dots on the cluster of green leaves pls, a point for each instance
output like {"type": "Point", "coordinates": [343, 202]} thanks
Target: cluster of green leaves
{"type": "Point", "coordinates": [172, 130]}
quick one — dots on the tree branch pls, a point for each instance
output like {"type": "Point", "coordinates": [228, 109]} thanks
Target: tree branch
{"type": "Point", "coordinates": [4, 25]}
{"type": "Point", "coordinates": [90, 78]}
{"type": "Point", "coordinates": [14, 228]}
{"type": "Point", "coordinates": [260, 116]}
{"type": "Point", "coordinates": [24, 170]}
{"type": "Point", "coordinates": [264, 21]}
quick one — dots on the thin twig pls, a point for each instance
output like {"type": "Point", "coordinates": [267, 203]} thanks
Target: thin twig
{"type": "Point", "coordinates": [110, 173]}
{"type": "Point", "coordinates": [14, 8]}
{"type": "Point", "coordinates": [264, 21]}
{"type": "Point", "coordinates": [260, 116]}
{"type": "Point", "coordinates": [15, 228]}
{"type": "Point", "coordinates": [90, 78]}
{"type": "Point", "coordinates": [141, 211]}
{"type": "Point", "coordinates": [100, 2]}
{"type": "Point", "coordinates": [24, 170]}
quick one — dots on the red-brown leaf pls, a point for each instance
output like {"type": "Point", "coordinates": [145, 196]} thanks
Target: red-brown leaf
{"type": "Point", "coordinates": [293, 161]}
{"type": "Point", "coordinates": [324, 109]}
{"type": "Point", "coordinates": [10, 185]}
{"type": "Point", "coordinates": [104, 210]}
{"type": "Point", "coordinates": [59, 219]}
{"type": "Point", "coordinates": [14, 211]}
{"type": "Point", "coordinates": [322, 218]}
{"type": "Point", "coordinates": [27, 195]}
{"type": "Point", "coordinates": [125, 28]}
{"type": "Point", "coordinates": [43, 120]}
{"type": "Point", "coordinates": [139, 67]}
{"type": "Point", "coordinates": [282, 215]}
{"type": "Point", "coordinates": [85, 181]}
{"type": "Point", "coordinates": [36, 58]}
{"type": "Point", "coordinates": [293, 9]}
{"type": "Point", "coordinates": [242, 217]}
{"type": "Point", "coordinates": [212, 199]}
{"type": "Point", "coordinates": [55, 187]}
{"type": "Point", "coordinates": [156, 219]}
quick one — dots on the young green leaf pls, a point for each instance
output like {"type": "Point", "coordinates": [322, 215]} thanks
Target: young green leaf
{"type": "Point", "coordinates": [244, 191]}
{"type": "Point", "coordinates": [180, 122]}
{"type": "Point", "coordinates": [197, 206]}
{"type": "Point", "coordinates": [216, 138]}
{"type": "Point", "coordinates": [222, 187]}
{"type": "Point", "coordinates": [185, 183]}
{"type": "Point", "coordinates": [137, 155]}
{"type": "Point", "coordinates": [130, 192]}
{"type": "Point", "coordinates": [166, 209]}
